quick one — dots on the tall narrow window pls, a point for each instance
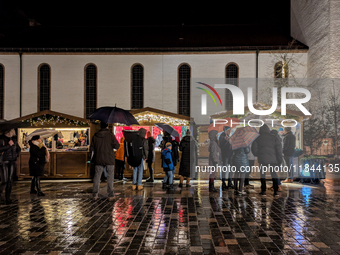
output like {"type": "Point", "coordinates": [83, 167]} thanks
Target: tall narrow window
{"type": "Point", "coordinates": [90, 89]}
{"type": "Point", "coordinates": [184, 89]}
{"type": "Point", "coordinates": [281, 70]}
{"type": "Point", "coordinates": [137, 88]}
{"type": "Point", "coordinates": [44, 87]}
{"type": "Point", "coordinates": [231, 75]}
{"type": "Point", "coordinates": [2, 83]}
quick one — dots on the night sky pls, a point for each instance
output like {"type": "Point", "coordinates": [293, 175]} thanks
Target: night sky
{"type": "Point", "coordinates": [97, 13]}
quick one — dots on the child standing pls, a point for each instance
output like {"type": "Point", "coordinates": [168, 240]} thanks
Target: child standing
{"type": "Point", "coordinates": [168, 166]}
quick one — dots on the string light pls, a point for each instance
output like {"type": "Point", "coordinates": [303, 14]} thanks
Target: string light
{"type": "Point", "coordinates": [149, 118]}
{"type": "Point", "coordinates": [52, 120]}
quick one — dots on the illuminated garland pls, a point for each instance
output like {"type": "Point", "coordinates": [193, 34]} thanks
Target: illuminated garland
{"type": "Point", "coordinates": [52, 120]}
{"type": "Point", "coordinates": [148, 118]}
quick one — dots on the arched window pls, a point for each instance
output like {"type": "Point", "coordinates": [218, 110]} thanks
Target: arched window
{"type": "Point", "coordinates": [2, 83]}
{"type": "Point", "coordinates": [44, 87]}
{"type": "Point", "coordinates": [137, 86]}
{"type": "Point", "coordinates": [281, 70]}
{"type": "Point", "coordinates": [184, 75]}
{"type": "Point", "coordinates": [90, 89]}
{"type": "Point", "coordinates": [231, 75]}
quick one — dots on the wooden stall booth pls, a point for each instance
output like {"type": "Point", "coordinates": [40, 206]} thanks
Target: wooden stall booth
{"type": "Point", "coordinates": [69, 148]}
{"type": "Point", "coordinates": [147, 117]}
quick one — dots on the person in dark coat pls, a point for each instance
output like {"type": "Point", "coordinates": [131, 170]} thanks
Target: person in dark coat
{"type": "Point", "coordinates": [267, 148]}
{"type": "Point", "coordinates": [187, 147]}
{"type": "Point", "coordinates": [276, 133]}
{"type": "Point", "coordinates": [240, 161]}
{"type": "Point", "coordinates": [102, 145]}
{"type": "Point", "coordinates": [11, 150]}
{"type": "Point", "coordinates": [226, 153]}
{"type": "Point", "coordinates": [289, 141]}
{"type": "Point", "coordinates": [38, 158]}
{"type": "Point", "coordinates": [151, 157]}
{"type": "Point", "coordinates": [214, 158]}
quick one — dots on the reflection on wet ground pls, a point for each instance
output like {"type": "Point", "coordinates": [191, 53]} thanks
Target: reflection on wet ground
{"type": "Point", "coordinates": [302, 220]}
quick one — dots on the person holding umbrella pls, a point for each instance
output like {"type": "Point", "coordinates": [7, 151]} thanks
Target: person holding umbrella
{"type": "Point", "coordinates": [38, 158]}
{"type": "Point", "coordinates": [102, 145]}
{"type": "Point", "coordinates": [268, 149]}
{"type": "Point", "coordinates": [10, 152]}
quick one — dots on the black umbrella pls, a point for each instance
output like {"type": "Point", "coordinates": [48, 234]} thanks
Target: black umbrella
{"type": "Point", "coordinates": [167, 128]}
{"type": "Point", "coordinates": [9, 124]}
{"type": "Point", "coordinates": [113, 114]}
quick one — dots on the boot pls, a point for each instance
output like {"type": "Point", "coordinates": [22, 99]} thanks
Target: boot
{"type": "Point", "coordinates": [134, 187]}
{"type": "Point", "coordinates": [164, 185]}
{"type": "Point", "coordinates": [230, 184]}
{"type": "Point", "coordinates": [139, 187]}
{"type": "Point", "coordinates": [33, 191]}
{"type": "Point", "coordinates": [37, 183]}
{"type": "Point", "coordinates": [171, 187]}
{"type": "Point", "coordinates": [150, 179]}
{"type": "Point", "coordinates": [224, 185]}
{"type": "Point", "coordinates": [211, 186]}
{"type": "Point", "coordinates": [7, 196]}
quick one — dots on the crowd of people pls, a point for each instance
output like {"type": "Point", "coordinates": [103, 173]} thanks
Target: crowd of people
{"type": "Point", "coordinates": [137, 148]}
{"type": "Point", "coordinates": [271, 150]}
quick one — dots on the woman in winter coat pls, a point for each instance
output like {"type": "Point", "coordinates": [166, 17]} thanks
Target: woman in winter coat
{"type": "Point", "coordinates": [39, 155]}
{"type": "Point", "coordinates": [120, 159]}
{"type": "Point", "coordinates": [187, 147]}
{"type": "Point", "coordinates": [214, 157]}
{"type": "Point", "coordinates": [11, 150]}
{"type": "Point", "coordinates": [151, 157]}
{"type": "Point", "coordinates": [240, 161]}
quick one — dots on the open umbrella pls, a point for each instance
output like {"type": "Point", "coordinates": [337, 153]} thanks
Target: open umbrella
{"type": "Point", "coordinates": [43, 133]}
{"type": "Point", "coordinates": [219, 126]}
{"type": "Point", "coordinates": [167, 128]}
{"type": "Point", "coordinates": [113, 114]}
{"type": "Point", "coordinates": [243, 137]}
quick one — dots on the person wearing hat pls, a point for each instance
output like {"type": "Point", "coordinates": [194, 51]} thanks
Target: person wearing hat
{"type": "Point", "coordinates": [10, 152]}
{"type": "Point", "coordinates": [168, 166]}
{"type": "Point", "coordinates": [226, 154]}
{"type": "Point", "coordinates": [38, 157]}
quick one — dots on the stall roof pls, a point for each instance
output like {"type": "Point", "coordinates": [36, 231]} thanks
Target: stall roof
{"type": "Point", "coordinates": [73, 120]}
{"type": "Point", "coordinates": [159, 116]}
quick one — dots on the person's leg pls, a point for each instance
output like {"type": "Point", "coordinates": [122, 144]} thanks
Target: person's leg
{"type": "Point", "coordinates": [181, 179]}
{"type": "Point", "coordinates": [3, 174]}
{"type": "Point", "coordinates": [37, 183]}
{"type": "Point", "coordinates": [96, 180]}
{"type": "Point", "coordinates": [241, 182]}
{"type": "Point", "coordinates": [290, 170]}
{"type": "Point", "coordinates": [274, 179]}
{"type": "Point", "coordinates": [10, 168]}
{"type": "Point", "coordinates": [263, 181]}
{"type": "Point", "coordinates": [247, 174]}
{"type": "Point", "coordinates": [188, 182]}
{"type": "Point", "coordinates": [150, 179]}
{"type": "Point", "coordinates": [110, 179]}
{"type": "Point", "coordinates": [165, 180]}
{"type": "Point", "coordinates": [170, 179]}
{"type": "Point", "coordinates": [211, 181]}
{"type": "Point", "coordinates": [33, 191]}
{"type": "Point", "coordinates": [140, 176]}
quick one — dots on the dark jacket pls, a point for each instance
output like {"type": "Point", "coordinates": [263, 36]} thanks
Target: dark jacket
{"type": "Point", "coordinates": [240, 157]}
{"type": "Point", "coordinates": [214, 149]}
{"type": "Point", "coordinates": [151, 144]}
{"type": "Point", "coordinates": [103, 143]}
{"type": "Point", "coordinates": [37, 159]}
{"type": "Point", "coordinates": [226, 150]}
{"type": "Point", "coordinates": [289, 144]}
{"type": "Point", "coordinates": [187, 147]}
{"type": "Point", "coordinates": [142, 133]}
{"type": "Point", "coordinates": [10, 153]}
{"type": "Point", "coordinates": [267, 147]}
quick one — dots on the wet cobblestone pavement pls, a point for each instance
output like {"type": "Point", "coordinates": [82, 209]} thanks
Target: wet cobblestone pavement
{"type": "Point", "coordinates": [302, 220]}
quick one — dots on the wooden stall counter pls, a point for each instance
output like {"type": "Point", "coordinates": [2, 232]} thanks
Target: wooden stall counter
{"type": "Point", "coordinates": [62, 164]}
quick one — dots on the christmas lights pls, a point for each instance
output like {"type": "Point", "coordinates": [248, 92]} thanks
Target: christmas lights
{"type": "Point", "coordinates": [52, 120]}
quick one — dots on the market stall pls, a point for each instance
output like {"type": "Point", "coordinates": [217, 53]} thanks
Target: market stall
{"type": "Point", "coordinates": [147, 118]}
{"type": "Point", "coordinates": [69, 147]}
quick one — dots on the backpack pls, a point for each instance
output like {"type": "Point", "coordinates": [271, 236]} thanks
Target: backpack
{"type": "Point", "coordinates": [133, 147]}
